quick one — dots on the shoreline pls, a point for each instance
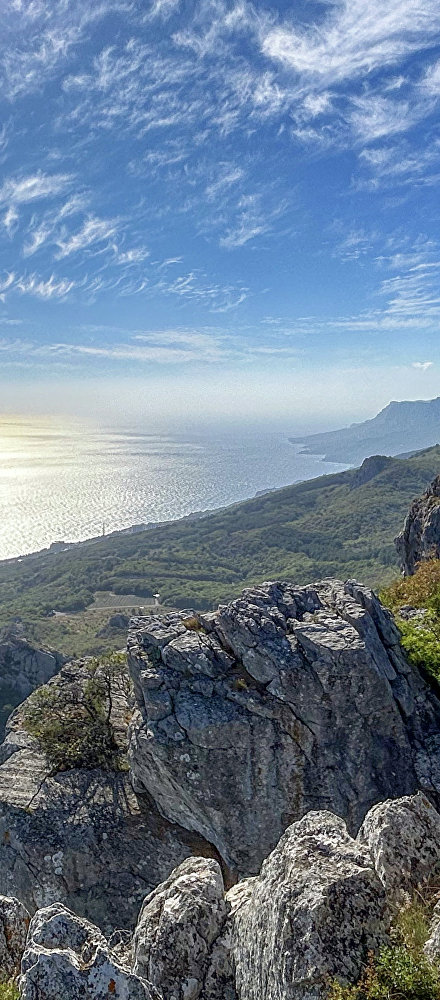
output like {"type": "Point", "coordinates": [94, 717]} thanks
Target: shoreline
{"type": "Point", "coordinates": [58, 546]}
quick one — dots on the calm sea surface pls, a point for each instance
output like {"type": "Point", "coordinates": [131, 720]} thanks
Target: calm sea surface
{"type": "Point", "coordinates": [63, 481]}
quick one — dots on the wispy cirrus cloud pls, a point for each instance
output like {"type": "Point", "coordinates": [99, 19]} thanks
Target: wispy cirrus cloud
{"type": "Point", "coordinates": [92, 232]}
{"type": "Point", "coordinates": [52, 288]}
{"type": "Point", "coordinates": [22, 190]}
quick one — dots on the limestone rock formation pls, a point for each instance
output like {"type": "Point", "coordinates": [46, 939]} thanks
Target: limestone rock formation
{"type": "Point", "coordinates": [318, 907]}
{"type": "Point", "coordinates": [289, 699]}
{"type": "Point", "coordinates": [420, 537]}
{"type": "Point", "coordinates": [68, 958]}
{"type": "Point", "coordinates": [177, 927]}
{"type": "Point", "coordinates": [314, 912]}
{"type": "Point", "coordinates": [403, 837]}
{"type": "Point", "coordinates": [14, 924]}
{"type": "Point", "coordinates": [81, 837]}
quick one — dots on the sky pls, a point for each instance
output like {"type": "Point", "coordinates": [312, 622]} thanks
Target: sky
{"type": "Point", "coordinates": [219, 208]}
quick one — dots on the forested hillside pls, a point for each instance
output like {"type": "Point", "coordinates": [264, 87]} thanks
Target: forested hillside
{"type": "Point", "coordinates": [341, 525]}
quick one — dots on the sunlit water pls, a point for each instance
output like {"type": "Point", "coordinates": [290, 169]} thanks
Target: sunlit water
{"type": "Point", "coordinates": [63, 481]}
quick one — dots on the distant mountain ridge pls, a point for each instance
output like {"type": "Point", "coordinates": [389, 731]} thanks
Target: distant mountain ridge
{"type": "Point", "coordinates": [401, 427]}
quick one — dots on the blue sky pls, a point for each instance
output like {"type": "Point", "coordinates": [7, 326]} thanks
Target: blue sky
{"type": "Point", "coordinates": [230, 204]}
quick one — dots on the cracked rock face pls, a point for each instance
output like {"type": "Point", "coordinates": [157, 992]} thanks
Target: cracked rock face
{"type": "Point", "coordinates": [420, 537]}
{"type": "Point", "coordinates": [66, 957]}
{"type": "Point", "coordinates": [81, 837]}
{"type": "Point", "coordinates": [403, 837]}
{"type": "Point", "coordinates": [314, 912]}
{"type": "Point", "coordinates": [289, 699]}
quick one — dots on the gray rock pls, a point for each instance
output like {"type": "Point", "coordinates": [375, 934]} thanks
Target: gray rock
{"type": "Point", "coordinates": [66, 957]}
{"type": "Point", "coordinates": [81, 837]}
{"type": "Point", "coordinates": [403, 837]}
{"type": "Point", "coordinates": [23, 667]}
{"type": "Point", "coordinates": [312, 914]}
{"type": "Point", "coordinates": [432, 945]}
{"type": "Point", "coordinates": [14, 924]}
{"type": "Point", "coordinates": [177, 927]}
{"type": "Point", "coordinates": [286, 700]}
{"type": "Point", "coordinates": [420, 537]}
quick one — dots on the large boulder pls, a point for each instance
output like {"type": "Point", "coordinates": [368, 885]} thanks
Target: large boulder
{"type": "Point", "coordinates": [403, 837]}
{"type": "Point", "coordinates": [177, 927]}
{"type": "Point", "coordinates": [289, 699]}
{"type": "Point", "coordinates": [314, 912]}
{"type": "Point", "coordinates": [66, 957]}
{"type": "Point", "coordinates": [81, 836]}
{"type": "Point", "coordinates": [420, 537]}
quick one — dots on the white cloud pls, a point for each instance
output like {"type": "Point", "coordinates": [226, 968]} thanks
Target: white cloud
{"type": "Point", "coordinates": [52, 288]}
{"type": "Point", "coordinates": [93, 231]}
{"type": "Point", "coordinates": [10, 220]}
{"type": "Point", "coordinates": [354, 38]}
{"type": "Point", "coordinates": [423, 365]}
{"type": "Point", "coordinates": [22, 190]}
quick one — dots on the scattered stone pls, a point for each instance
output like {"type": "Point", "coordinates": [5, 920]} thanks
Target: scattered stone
{"type": "Point", "coordinates": [432, 946]}
{"type": "Point", "coordinates": [313, 913]}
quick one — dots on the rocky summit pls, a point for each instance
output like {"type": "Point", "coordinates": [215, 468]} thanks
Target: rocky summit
{"type": "Point", "coordinates": [317, 908]}
{"type": "Point", "coordinates": [285, 701]}
{"type": "Point", "coordinates": [275, 812]}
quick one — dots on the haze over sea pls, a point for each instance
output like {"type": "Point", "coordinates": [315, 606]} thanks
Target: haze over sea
{"type": "Point", "coordinates": [61, 480]}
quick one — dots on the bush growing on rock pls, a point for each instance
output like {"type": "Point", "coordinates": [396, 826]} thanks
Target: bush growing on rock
{"type": "Point", "coordinates": [400, 971]}
{"type": "Point", "coordinates": [72, 722]}
{"type": "Point", "coordinates": [420, 636]}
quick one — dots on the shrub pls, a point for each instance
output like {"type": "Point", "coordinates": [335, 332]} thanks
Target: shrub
{"type": "Point", "coordinates": [72, 719]}
{"type": "Point", "coordinates": [395, 974]}
{"type": "Point", "coordinates": [420, 590]}
{"type": "Point", "coordinates": [9, 990]}
{"type": "Point", "coordinates": [400, 971]}
{"type": "Point", "coordinates": [421, 642]}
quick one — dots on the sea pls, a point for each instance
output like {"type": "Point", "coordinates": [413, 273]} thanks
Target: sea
{"type": "Point", "coordinates": [61, 480]}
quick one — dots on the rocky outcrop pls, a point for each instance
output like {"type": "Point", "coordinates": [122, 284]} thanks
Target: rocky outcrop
{"type": "Point", "coordinates": [81, 837]}
{"type": "Point", "coordinates": [177, 927]}
{"type": "Point", "coordinates": [403, 837]}
{"type": "Point", "coordinates": [370, 468]}
{"type": "Point", "coordinates": [420, 538]}
{"type": "Point", "coordinates": [68, 958]}
{"type": "Point", "coordinates": [287, 700]}
{"type": "Point", "coordinates": [317, 909]}
{"type": "Point", "coordinates": [312, 914]}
